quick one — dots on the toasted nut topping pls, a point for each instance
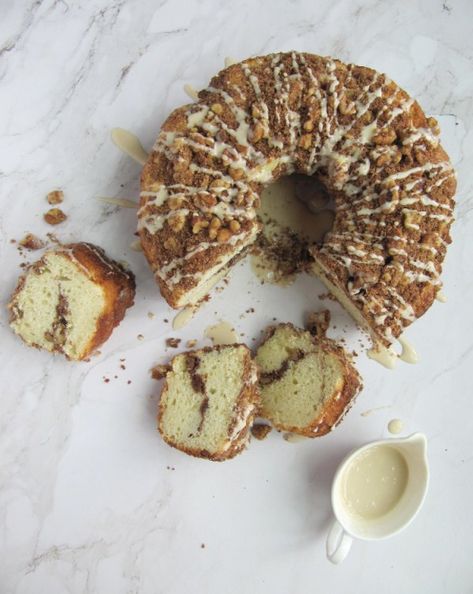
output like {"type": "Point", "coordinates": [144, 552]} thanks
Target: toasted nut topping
{"type": "Point", "coordinates": [382, 160]}
{"type": "Point", "coordinates": [385, 137]}
{"type": "Point", "coordinates": [55, 197]}
{"type": "Point", "coordinates": [54, 216]}
{"type": "Point", "coordinates": [345, 108]}
{"type": "Point", "coordinates": [223, 235]}
{"type": "Point", "coordinates": [219, 184]}
{"type": "Point", "coordinates": [213, 233]}
{"type": "Point", "coordinates": [367, 118]}
{"type": "Point", "coordinates": [217, 108]}
{"type": "Point", "coordinates": [255, 112]}
{"type": "Point", "coordinates": [176, 222]}
{"type": "Point", "coordinates": [170, 243]}
{"type": "Point", "coordinates": [305, 141]}
{"type": "Point", "coordinates": [174, 202]}
{"type": "Point", "coordinates": [309, 126]}
{"type": "Point", "coordinates": [215, 223]}
{"type": "Point", "coordinates": [198, 225]}
{"type": "Point", "coordinates": [205, 200]}
{"type": "Point", "coordinates": [234, 226]}
{"type": "Point", "coordinates": [236, 173]}
{"type": "Point", "coordinates": [420, 156]}
{"type": "Point", "coordinates": [257, 133]}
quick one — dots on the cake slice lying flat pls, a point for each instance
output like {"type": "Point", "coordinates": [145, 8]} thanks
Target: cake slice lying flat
{"type": "Point", "coordinates": [70, 300]}
{"type": "Point", "coordinates": [306, 383]}
{"type": "Point", "coordinates": [208, 401]}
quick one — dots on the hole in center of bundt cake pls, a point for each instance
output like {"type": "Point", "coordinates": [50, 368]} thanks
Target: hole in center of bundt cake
{"type": "Point", "coordinates": [296, 212]}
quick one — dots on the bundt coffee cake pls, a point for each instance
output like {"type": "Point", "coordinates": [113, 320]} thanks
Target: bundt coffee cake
{"type": "Point", "coordinates": [356, 131]}
{"type": "Point", "coordinates": [208, 401]}
{"type": "Point", "coordinates": [70, 300]}
{"type": "Point", "coordinates": [306, 383]}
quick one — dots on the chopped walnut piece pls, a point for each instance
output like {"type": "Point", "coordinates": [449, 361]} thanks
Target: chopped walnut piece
{"type": "Point", "coordinates": [199, 224]}
{"type": "Point", "coordinates": [159, 372]}
{"type": "Point", "coordinates": [260, 431]}
{"type": "Point", "coordinates": [236, 174]}
{"type": "Point", "coordinates": [234, 226]}
{"type": "Point", "coordinates": [174, 202]}
{"type": "Point", "coordinates": [176, 222]}
{"type": "Point", "coordinates": [308, 126]}
{"type": "Point", "coordinates": [385, 136]}
{"type": "Point", "coordinates": [54, 216]}
{"type": "Point", "coordinates": [223, 235]}
{"type": "Point", "coordinates": [217, 108]}
{"type": "Point", "coordinates": [173, 342]}
{"type": "Point", "coordinates": [55, 197]}
{"type": "Point", "coordinates": [257, 133]}
{"type": "Point", "coordinates": [305, 141]}
{"type": "Point", "coordinates": [31, 242]}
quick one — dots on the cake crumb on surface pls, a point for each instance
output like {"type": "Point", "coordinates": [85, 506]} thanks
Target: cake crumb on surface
{"type": "Point", "coordinates": [260, 431]}
{"type": "Point", "coordinates": [191, 343]}
{"type": "Point", "coordinates": [55, 197]}
{"type": "Point", "coordinates": [159, 371]}
{"type": "Point", "coordinates": [32, 242]}
{"type": "Point", "coordinates": [173, 343]}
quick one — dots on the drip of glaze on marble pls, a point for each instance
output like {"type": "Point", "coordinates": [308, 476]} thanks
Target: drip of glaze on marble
{"type": "Point", "coordinates": [395, 426]}
{"type": "Point", "coordinates": [221, 333]}
{"type": "Point", "coordinates": [130, 144]}
{"type": "Point", "coordinates": [191, 92]}
{"type": "Point", "coordinates": [384, 356]}
{"type": "Point", "coordinates": [408, 354]}
{"type": "Point", "coordinates": [441, 297]}
{"type": "Point", "coordinates": [184, 316]}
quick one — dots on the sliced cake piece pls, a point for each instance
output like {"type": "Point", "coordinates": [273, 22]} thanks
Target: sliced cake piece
{"type": "Point", "coordinates": [70, 300]}
{"type": "Point", "coordinates": [306, 383]}
{"type": "Point", "coordinates": [208, 401]}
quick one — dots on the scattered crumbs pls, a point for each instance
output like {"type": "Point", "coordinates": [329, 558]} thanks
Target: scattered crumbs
{"type": "Point", "coordinates": [250, 310]}
{"type": "Point", "coordinates": [106, 379]}
{"type": "Point", "coordinates": [122, 185]}
{"type": "Point", "coordinates": [260, 431]}
{"type": "Point", "coordinates": [242, 334]}
{"type": "Point", "coordinates": [274, 319]}
{"type": "Point", "coordinates": [226, 281]}
{"type": "Point", "coordinates": [122, 366]}
{"type": "Point", "coordinates": [318, 323]}
{"type": "Point", "coordinates": [23, 265]}
{"type": "Point", "coordinates": [140, 337]}
{"type": "Point", "coordinates": [31, 242]}
{"type": "Point", "coordinates": [253, 339]}
{"type": "Point", "coordinates": [158, 372]}
{"type": "Point", "coordinates": [354, 354]}
{"type": "Point", "coordinates": [55, 197]}
{"type": "Point", "coordinates": [129, 382]}
{"type": "Point", "coordinates": [173, 343]}
{"type": "Point", "coordinates": [166, 320]}
{"type": "Point", "coordinates": [151, 315]}
{"type": "Point", "coordinates": [115, 377]}
{"type": "Point", "coordinates": [170, 467]}
{"type": "Point", "coordinates": [53, 239]}
{"type": "Point", "coordinates": [12, 240]}
{"type": "Point", "coordinates": [202, 546]}
{"type": "Point", "coordinates": [191, 343]}
{"type": "Point", "coordinates": [54, 216]}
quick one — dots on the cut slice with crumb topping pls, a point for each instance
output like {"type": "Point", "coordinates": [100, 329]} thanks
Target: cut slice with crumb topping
{"type": "Point", "coordinates": [70, 300]}
{"type": "Point", "coordinates": [306, 384]}
{"type": "Point", "coordinates": [208, 401]}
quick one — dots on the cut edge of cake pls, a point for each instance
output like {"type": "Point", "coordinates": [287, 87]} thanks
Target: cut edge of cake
{"type": "Point", "coordinates": [304, 367]}
{"type": "Point", "coordinates": [208, 401]}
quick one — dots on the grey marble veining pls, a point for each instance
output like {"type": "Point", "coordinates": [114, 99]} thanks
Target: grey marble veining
{"type": "Point", "coordinates": [91, 500]}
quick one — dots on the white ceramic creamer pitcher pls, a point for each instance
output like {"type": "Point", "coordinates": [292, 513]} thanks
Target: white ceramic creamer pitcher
{"type": "Point", "coordinates": [376, 492]}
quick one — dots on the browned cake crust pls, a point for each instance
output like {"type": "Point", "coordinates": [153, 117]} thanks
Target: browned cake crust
{"type": "Point", "coordinates": [339, 403]}
{"type": "Point", "coordinates": [117, 283]}
{"type": "Point", "coordinates": [248, 400]}
{"type": "Point", "coordinates": [364, 138]}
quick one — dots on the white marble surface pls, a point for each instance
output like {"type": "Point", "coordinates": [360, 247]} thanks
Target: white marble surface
{"type": "Point", "coordinates": [91, 500]}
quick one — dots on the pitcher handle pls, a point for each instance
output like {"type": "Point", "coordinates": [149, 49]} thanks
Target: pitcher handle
{"type": "Point", "coordinates": [338, 543]}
